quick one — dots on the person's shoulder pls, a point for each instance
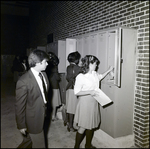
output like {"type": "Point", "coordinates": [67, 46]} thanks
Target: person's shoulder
{"type": "Point", "coordinates": [80, 75]}
{"type": "Point", "coordinates": [24, 79]}
{"type": "Point", "coordinates": [77, 66]}
{"type": "Point", "coordinates": [27, 75]}
{"type": "Point", "coordinates": [69, 66]}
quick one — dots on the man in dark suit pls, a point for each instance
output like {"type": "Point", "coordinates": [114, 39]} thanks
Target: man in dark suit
{"type": "Point", "coordinates": [31, 101]}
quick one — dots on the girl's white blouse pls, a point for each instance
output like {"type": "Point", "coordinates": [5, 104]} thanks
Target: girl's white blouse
{"type": "Point", "coordinates": [88, 81]}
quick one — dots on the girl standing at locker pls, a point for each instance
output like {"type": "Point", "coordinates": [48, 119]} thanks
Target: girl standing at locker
{"type": "Point", "coordinates": [54, 79]}
{"type": "Point", "coordinates": [71, 100]}
{"type": "Point", "coordinates": [87, 115]}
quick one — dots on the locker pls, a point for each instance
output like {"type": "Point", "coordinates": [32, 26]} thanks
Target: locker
{"type": "Point", "coordinates": [59, 48]}
{"type": "Point", "coordinates": [93, 45]}
{"type": "Point", "coordinates": [70, 47]}
{"type": "Point", "coordinates": [86, 45]}
{"type": "Point", "coordinates": [102, 52]}
{"type": "Point", "coordinates": [114, 47]}
{"type": "Point", "coordinates": [80, 46]}
{"type": "Point", "coordinates": [61, 55]}
{"type": "Point", "coordinates": [117, 119]}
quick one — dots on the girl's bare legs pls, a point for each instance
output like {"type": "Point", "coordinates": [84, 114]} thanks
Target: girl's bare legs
{"type": "Point", "coordinates": [54, 116]}
{"type": "Point", "coordinates": [71, 118]}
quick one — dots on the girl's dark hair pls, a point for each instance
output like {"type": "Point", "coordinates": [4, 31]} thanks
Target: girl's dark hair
{"type": "Point", "coordinates": [74, 57]}
{"type": "Point", "coordinates": [86, 61]}
{"type": "Point", "coordinates": [53, 59]}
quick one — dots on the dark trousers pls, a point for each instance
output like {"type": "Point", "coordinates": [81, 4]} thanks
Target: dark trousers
{"type": "Point", "coordinates": [33, 141]}
{"type": "Point", "coordinates": [27, 142]}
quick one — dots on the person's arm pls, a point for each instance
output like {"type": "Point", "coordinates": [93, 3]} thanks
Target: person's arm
{"type": "Point", "coordinates": [20, 106]}
{"type": "Point", "coordinates": [107, 72]}
{"type": "Point", "coordinates": [84, 93]}
{"type": "Point", "coordinates": [69, 75]}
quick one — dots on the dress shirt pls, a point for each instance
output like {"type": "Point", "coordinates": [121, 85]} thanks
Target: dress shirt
{"type": "Point", "coordinates": [39, 81]}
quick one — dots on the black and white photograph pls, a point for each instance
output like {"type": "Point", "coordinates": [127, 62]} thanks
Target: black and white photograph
{"type": "Point", "coordinates": [75, 74]}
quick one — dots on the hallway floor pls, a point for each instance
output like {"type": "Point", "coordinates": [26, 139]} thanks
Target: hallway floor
{"type": "Point", "coordinates": [58, 136]}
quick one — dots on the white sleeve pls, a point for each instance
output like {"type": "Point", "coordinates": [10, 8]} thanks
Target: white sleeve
{"type": "Point", "coordinates": [100, 76]}
{"type": "Point", "coordinates": [78, 83]}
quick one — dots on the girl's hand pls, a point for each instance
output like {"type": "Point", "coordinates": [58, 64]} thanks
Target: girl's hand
{"type": "Point", "coordinates": [93, 93]}
{"type": "Point", "coordinates": [111, 68]}
{"type": "Point", "coordinates": [75, 126]}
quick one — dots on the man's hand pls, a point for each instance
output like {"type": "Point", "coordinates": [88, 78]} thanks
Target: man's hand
{"type": "Point", "coordinates": [23, 131]}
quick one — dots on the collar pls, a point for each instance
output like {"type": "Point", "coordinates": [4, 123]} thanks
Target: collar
{"type": "Point", "coordinates": [34, 71]}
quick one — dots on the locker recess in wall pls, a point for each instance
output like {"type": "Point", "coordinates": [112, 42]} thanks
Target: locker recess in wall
{"type": "Point", "coordinates": [106, 46]}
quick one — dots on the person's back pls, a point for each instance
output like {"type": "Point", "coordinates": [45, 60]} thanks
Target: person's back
{"type": "Point", "coordinates": [72, 71]}
{"type": "Point", "coordinates": [71, 100]}
{"type": "Point", "coordinates": [54, 79]}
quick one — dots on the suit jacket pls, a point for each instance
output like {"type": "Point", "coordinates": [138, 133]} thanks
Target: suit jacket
{"type": "Point", "coordinates": [29, 105]}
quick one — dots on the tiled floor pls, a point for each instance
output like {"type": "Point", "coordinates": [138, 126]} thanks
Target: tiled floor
{"type": "Point", "coordinates": [58, 136]}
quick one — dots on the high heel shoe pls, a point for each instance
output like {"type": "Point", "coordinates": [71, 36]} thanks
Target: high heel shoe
{"type": "Point", "coordinates": [71, 129]}
{"type": "Point", "coordinates": [68, 128]}
{"type": "Point", "coordinates": [54, 119]}
{"type": "Point", "coordinates": [65, 123]}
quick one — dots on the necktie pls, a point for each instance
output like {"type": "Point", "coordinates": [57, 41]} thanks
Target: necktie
{"type": "Point", "coordinates": [44, 87]}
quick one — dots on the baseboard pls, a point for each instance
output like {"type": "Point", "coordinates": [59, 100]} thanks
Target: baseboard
{"type": "Point", "coordinates": [121, 142]}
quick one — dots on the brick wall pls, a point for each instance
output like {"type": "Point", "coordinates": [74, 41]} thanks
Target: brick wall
{"type": "Point", "coordinates": [71, 18]}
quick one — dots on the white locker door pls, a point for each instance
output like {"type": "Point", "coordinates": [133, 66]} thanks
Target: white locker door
{"type": "Point", "coordinates": [86, 45]}
{"type": "Point", "coordinates": [80, 46]}
{"type": "Point", "coordinates": [114, 56]}
{"type": "Point", "coordinates": [70, 47]}
{"type": "Point", "coordinates": [111, 53]}
{"type": "Point", "coordinates": [62, 56]}
{"type": "Point", "coordinates": [93, 45]}
{"type": "Point", "coordinates": [102, 52]}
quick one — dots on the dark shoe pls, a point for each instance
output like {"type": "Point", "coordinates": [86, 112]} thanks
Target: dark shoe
{"type": "Point", "coordinates": [54, 119]}
{"type": "Point", "coordinates": [65, 123]}
{"type": "Point", "coordinates": [71, 129]}
{"type": "Point", "coordinates": [90, 146]}
{"type": "Point", "coordinates": [68, 128]}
